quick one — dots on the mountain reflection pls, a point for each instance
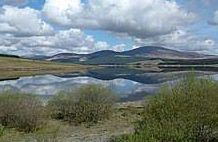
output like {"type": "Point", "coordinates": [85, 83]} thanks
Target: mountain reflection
{"type": "Point", "coordinates": [127, 84]}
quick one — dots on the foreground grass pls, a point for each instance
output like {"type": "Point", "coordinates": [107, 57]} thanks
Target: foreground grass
{"type": "Point", "coordinates": [121, 122]}
{"type": "Point", "coordinates": [91, 111]}
{"type": "Point", "coordinates": [187, 112]}
{"type": "Point", "coordinates": [16, 67]}
{"type": "Point", "coordinates": [21, 111]}
{"type": "Point", "coordinates": [87, 104]}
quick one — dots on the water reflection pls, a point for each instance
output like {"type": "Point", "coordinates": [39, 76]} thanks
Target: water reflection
{"type": "Point", "coordinates": [129, 85]}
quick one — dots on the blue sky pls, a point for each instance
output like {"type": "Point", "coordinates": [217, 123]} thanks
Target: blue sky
{"type": "Point", "coordinates": [205, 10]}
{"type": "Point", "coordinates": [54, 26]}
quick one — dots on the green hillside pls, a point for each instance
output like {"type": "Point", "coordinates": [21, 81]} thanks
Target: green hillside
{"type": "Point", "coordinates": [15, 67]}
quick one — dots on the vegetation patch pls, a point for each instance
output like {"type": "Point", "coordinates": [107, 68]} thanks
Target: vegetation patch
{"type": "Point", "coordinates": [187, 112]}
{"type": "Point", "coordinates": [18, 67]}
{"type": "Point", "coordinates": [2, 129]}
{"type": "Point", "coordinates": [87, 104]}
{"type": "Point", "coordinates": [21, 111]}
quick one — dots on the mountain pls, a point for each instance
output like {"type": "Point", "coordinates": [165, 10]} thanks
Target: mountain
{"type": "Point", "coordinates": [64, 56]}
{"type": "Point", "coordinates": [160, 52]}
{"type": "Point", "coordinates": [103, 53]}
{"type": "Point", "coordinates": [108, 57]}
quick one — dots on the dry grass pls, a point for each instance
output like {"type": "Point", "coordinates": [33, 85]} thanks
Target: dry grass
{"type": "Point", "coordinates": [15, 67]}
{"type": "Point", "coordinates": [121, 122]}
{"type": "Point", "coordinates": [21, 111]}
{"type": "Point", "coordinates": [87, 104]}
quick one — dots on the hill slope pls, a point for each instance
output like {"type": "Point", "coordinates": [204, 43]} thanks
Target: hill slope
{"type": "Point", "coordinates": [16, 67]}
{"type": "Point", "coordinates": [108, 57]}
{"type": "Point", "coordinates": [160, 52]}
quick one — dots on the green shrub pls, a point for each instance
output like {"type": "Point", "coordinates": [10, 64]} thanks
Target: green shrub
{"type": "Point", "coordinates": [87, 104]}
{"type": "Point", "coordinates": [21, 111]}
{"type": "Point", "coordinates": [2, 129]}
{"type": "Point", "coordinates": [187, 112]}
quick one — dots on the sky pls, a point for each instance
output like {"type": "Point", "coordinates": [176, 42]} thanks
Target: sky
{"type": "Point", "coordinates": [48, 27]}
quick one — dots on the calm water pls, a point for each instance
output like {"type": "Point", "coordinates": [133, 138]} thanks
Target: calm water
{"type": "Point", "coordinates": [128, 84]}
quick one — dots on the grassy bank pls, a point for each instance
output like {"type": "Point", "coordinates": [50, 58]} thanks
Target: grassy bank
{"type": "Point", "coordinates": [86, 114]}
{"type": "Point", "coordinates": [16, 67]}
{"type": "Point", "coordinates": [186, 112]}
{"type": "Point", "coordinates": [121, 122]}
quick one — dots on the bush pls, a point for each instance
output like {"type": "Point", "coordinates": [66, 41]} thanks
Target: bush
{"type": "Point", "coordinates": [2, 129]}
{"type": "Point", "coordinates": [186, 113]}
{"type": "Point", "coordinates": [21, 111]}
{"type": "Point", "coordinates": [87, 104]}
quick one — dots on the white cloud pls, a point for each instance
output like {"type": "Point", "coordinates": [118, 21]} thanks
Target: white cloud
{"type": "Point", "coordinates": [119, 47]}
{"type": "Point", "coordinates": [141, 18]}
{"type": "Point", "coordinates": [215, 19]}
{"type": "Point", "coordinates": [101, 45]}
{"type": "Point", "coordinates": [6, 27]}
{"type": "Point", "coordinates": [23, 22]}
{"type": "Point", "coordinates": [72, 40]}
{"type": "Point", "coordinates": [181, 40]}
{"type": "Point", "coordinates": [59, 10]}
{"type": "Point", "coordinates": [26, 31]}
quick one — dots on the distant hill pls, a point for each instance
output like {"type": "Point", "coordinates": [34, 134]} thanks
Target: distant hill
{"type": "Point", "coordinates": [6, 55]}
{"type": "Point", "coordinates": [160, 52]}
{"type": "Point", "coordinates": [109, 57]}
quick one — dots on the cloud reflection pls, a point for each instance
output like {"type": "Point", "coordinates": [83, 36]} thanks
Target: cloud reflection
{"type": "Point", "coordinates": [50, 85]}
